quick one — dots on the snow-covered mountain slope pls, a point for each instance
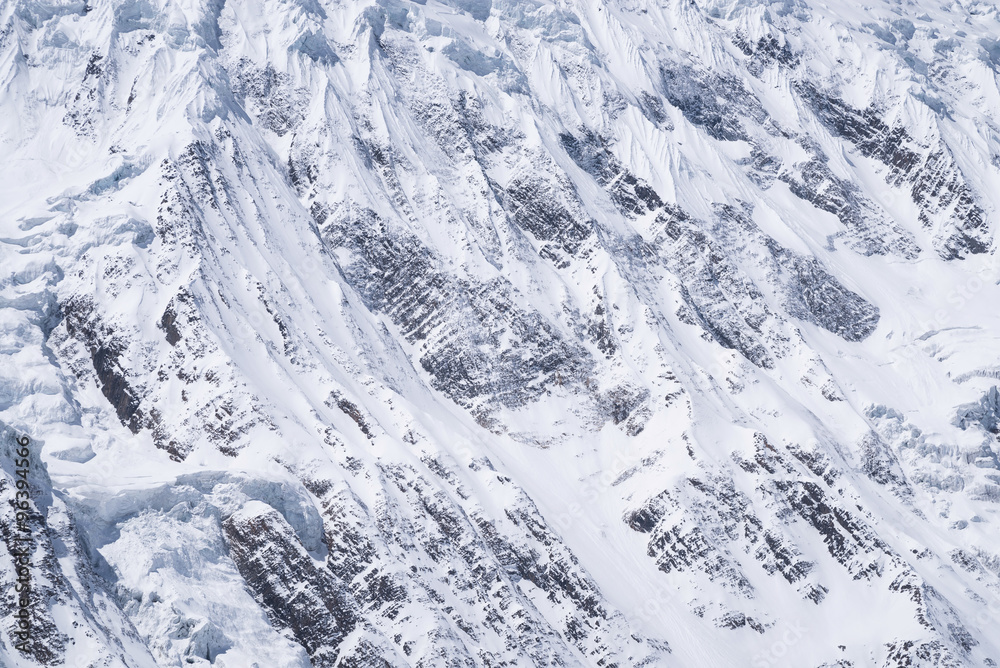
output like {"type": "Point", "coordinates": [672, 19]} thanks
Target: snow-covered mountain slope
{"type": "Point", "coordinates": [501, 332]}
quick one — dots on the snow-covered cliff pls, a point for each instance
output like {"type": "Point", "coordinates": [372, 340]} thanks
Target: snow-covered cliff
{"type": "Point", "coordinates": [501, 332]}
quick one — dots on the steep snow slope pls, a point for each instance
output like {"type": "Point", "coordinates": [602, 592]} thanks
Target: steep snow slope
{"type": "Point", "coordinates": [502, 333]}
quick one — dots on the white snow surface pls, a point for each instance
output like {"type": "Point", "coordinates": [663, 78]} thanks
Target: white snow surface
{"type": "Point", "coordinates": [190, 190]}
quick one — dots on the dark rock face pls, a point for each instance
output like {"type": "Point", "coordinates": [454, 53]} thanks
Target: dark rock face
{"type": "Point", "coordinates": [720, 297]}
{"type": "Point", "coordinates": [460, 323]}
{"type": "Point", "coordinates": [846, 538]}
{"type": "Point", "coordinates": [274, 102]}
{"type": "Point", "coordinates": [817, 296]}
{"type": "Point", "coordinates": [119, 373]}
{"type": "Point", "coordinates": [936, 183]}
{"type": "Point", "coordinates": [864, 128]}
{"type": "Point", "coordinates": [429, 556]}
{"type": "Point", "coordinates": [728, 110]}
{"type": "Point", "coordinates": [105, 354]}
{"type": "Point", "coordinates": [762, 169]}
{"type": "Point", "coordinates": [309, 601]}
{"type": "Point", "coordinates": [720, 104]}
{"type": "Point", "coordinates": [871, 233]}
{"type": "Point", "coordinates": [912, 653]}
{"type": "Point", "coordinates": [732, 528]}
{"type": "Point", "coordinates": [767, 51]}
{"type": "Point", "coordinates": [536, 208]}
{"type": "Point", "coordinates": [880, 463]}
{"type": "Point", "coordinates": [705, 525]}
{"type": "Point", "coordinates": [810, 292]}
{"type": "Point", "coordinates": [728, 305]}
{"type": "Point", "coordinates": [352, 411]}
{"type": "Point", "coordinates": [168, 323]}
{"type": "Point", "coordinates": [591, 153]}
{"type": "Point", "coordinates": [732, 308]}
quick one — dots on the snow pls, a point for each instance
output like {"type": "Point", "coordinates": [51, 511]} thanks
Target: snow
{"type": "Point", "coordinates": [152, 165]}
